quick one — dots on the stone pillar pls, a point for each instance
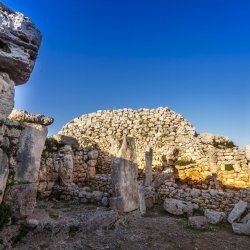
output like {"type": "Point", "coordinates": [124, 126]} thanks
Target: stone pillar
{"type": "Point", "coordinates": [124, 175]}
{"type": "Point", "coordinates": [148, 167]}
{"type": "Point", "coordinates": [142, 203]}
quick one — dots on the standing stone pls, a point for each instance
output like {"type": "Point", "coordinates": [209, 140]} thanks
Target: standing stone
{"type": "Point", "coordinates": [148, 168]}
{"type": "Point", "coordinates": [238, 210]}
{"type": "Point", "coordinates": [29, 152]}
{"type": "Point", "coordinates": [4, 171]}
{"type": "Point", "coordinates": [124, 175]}
{"type": "Point", "coordinates": [7, 92]}
{"type": "Point", "coordinates": [142, 202]}
{"type": "Point", "coordinates": [66, 165]}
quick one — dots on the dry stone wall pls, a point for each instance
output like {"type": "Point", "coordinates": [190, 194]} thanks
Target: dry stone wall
{"type": "Point", "coordinates": [63, 164]}
{"type": "Point", "coordinates": [205, 199]}
{"type": "Point", "coordinates": [173, 140]}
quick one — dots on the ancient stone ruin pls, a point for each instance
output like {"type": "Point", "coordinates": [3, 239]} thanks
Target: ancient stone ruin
{"type": "Point", "coordinates": [126, 160]}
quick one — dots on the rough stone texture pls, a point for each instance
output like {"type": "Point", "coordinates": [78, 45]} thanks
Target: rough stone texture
{"type": "Point", "coordinates": [198, 222]}
{"type": "Point", "coordinates": [171, 137]}
{"type": "Point", "coordinates": [24, 116]}
{"type": "Point", "coordinates": [124, 175]}
{"type": "Point", "coordinates": [21, 198]}
{"type": "Point", "coordinates": [240, 228]}
{"type": "Point", "coordinates": [29, 153]}
{"type": "Point", "coordinates": [237, 212]}
{"type": "Point", "coordinates": [7, 92]}
{"type": "Point", "coordinates": [246, 218]}
{"type": "Point", "coordinates": [215, 217]}
{"type": "Point", "coordinates": [4, 171]}
{"type": "Point", "coordinates": [205, 199]}
{"type": "Point", "coordinates": [55, 167]}
{"type": "Point", "coordinates": [66, 140]}
{"type": "Point", "coordinates": [178, 207]}
{"type": "Point", "coordinates": [19, 44]}
{"type": "Point", "coordinates": [248, 152]}
{"type": "Point", "coordinates": [142, 203]}
{"type": "Point", "coordinates": [148, 167]}
{"type": "Point", "coordinates": [66, 168]}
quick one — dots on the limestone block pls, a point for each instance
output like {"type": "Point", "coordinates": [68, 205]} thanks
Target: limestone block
{"type": "Point", "coordinates": [178, 207]}
{"type": "Point", "coordinates": [24, 116]}
{"type": "Point", "coordinates": [19, 44]}
{"type": "Point", "coordinates": [21, 198]}
{"type": "Point", "coordinates": [247, 149]}
{"type": "Point", "coordinates": [238, 210]}
{"type": "Point", "coordinates": [29, 152]}
{"type": "Point", "coordinates": [240, 228]}
{"type": "Point", "coordinates": [124, 173]}
{"type": "Point", "coordinates": [214, 217]}
{"type": "Point", "coordinates": [7, 92]}
{"type": "Point", "coordinates": [66, 140]}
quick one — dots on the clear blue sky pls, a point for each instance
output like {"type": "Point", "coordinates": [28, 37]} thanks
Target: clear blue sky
{"type": "Point", "coordinates": [192, 56]}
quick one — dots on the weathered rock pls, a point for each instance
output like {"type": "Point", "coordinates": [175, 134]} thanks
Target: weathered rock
{"type": "Point", "coordinates": [209, 138]}
{"type": "Point", "coordinates": [29, 153]}
{"type": "Point", "coordinates": [246, 218]}
{"type": "Point", "coordinates": [142, 203]}
{"type": "Point", "coordinates": [124, 174]}
{"type": "Point", "coordinates": [4, 171]}
{"type": "Point", "coordinates": [240, 228]}
{"type": "Point", "coordinates": [148, 167]}
{"type": "Point", "coordinates": [214, 217]}
{"type": "Point", "coordinates": [24, 116]}
{"type": "Point", "coordinates": [66, 140]}
{"type": "Point", "coordinates": [7, 92]}
{"type": "Point", "coordinates": [238, 210]}
{"type": "Point", "coordinates": [93, 154]}
{"type": "Point", "coordinates": [21, 198]}
{"type": "Point", "coordinates": [66, 165]}
{"type": "Point", "coordinates": [247, 149]}
{"type": "Point", "coordinates": [198, 222]}
{"type": "Point", "coordinates": [178, 207]}
{"type": "Point", "coordinates": [19, 44]}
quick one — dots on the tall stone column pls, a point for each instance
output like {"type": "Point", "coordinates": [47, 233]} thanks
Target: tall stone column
{"type": "Point", "coordinates": [124, 175]}
{"type": "Point", "coordinates": [148, 167]}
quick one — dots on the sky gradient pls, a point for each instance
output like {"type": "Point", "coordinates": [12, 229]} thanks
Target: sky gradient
{"type": "Point", "coordinates": [191, 56]}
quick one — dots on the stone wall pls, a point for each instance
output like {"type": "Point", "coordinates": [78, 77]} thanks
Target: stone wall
{"type": "Point", "coordinates": [202, 199]}
{"type": "Point", "coordinates": [172, 138]}
{"type": "Point", "coordinates": [64, 164]}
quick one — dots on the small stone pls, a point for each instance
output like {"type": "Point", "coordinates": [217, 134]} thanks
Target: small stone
{"type": "Point", "coordinates": [105, 201]}
{"type": "Point", "coordinates": [198, 222]}
{"type": "Point", "coordinates": [214, 217]}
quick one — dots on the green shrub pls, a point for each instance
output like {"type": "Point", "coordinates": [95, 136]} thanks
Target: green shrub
{"type": "Point", "coordinates": [5, 214]}
{"type": "Point", "coordinates": [183, 162]}
{"type": "Point", "coordinates": [51, 144]}
{"type": "Point", "coordinates": [226, 144]}
{"type": "Point", "coordinates": [229, 167]}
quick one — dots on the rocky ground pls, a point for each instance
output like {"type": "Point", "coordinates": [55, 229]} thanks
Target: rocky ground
{"type": "Point", "coordinates": [72, 226]}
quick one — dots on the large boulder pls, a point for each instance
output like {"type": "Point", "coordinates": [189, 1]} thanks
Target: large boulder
{"type": "Point", "coordinates": [240, 228]}
{"type": "Point", "coordinates": [19, 44]}
{"type": "Point", "coordinates": [237, 212]}
{"type": "Point", "coordinates": [124, 175]}
{"type": "Point", "coordinates": [198, 222]}
{"type": "Point", "coordinates": [215, 217]}
{"type": "Point", "coordinates": [178, 207]}
{"type": "Point", "coordinates": [24, 116]}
